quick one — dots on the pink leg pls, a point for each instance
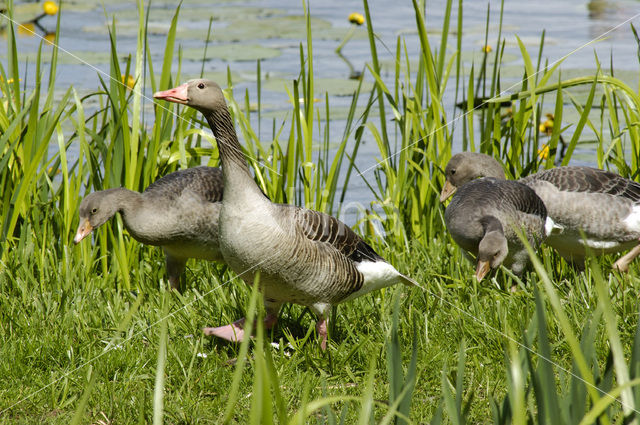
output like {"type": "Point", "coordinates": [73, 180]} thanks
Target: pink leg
{"type": "Point", "coordinates": [234, 332]}
{"type": "Point", "coordinates": [321, 329]}
{"type": "Point", "coordinates": [623, 263]}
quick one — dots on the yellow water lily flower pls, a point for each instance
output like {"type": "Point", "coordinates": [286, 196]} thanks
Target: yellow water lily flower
{"type": "Point", "coordinates": [356, 18]}
{"type": "Point", "coordinates": [487, 48]}
{"type": "Point", "coordinates": [543, 152]}
{"type": "Point", "coordinates": [50, 37]}
{"type": "Point", "coordinates": [128, 81]}
{"type": "Point", "coordinates": [28, 28]}
{"type": "Point", "coordinates": [50, 7]}
{"type": "Point", "coordinates": [9, 83]}
{"type": "Point", "coordinates": [547, 126]}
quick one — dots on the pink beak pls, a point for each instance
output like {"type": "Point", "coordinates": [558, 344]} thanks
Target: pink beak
{"type": "Point", "coordinates": [175, 95]}
{"type": "Point", "coordinates": [84, 229]}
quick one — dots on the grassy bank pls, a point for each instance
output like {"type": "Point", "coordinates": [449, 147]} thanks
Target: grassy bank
{"type": "Point", "coordinates": [89, 335]}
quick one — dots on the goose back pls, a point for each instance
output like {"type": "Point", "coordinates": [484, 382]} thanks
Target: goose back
{"type": "Point", "coordinates": [203, 181]}
{"type": "Point", "coordinates": [603, 205]}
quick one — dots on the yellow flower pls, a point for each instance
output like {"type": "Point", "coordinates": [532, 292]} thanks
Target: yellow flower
{"type": "Point", "coordinates": [50, 37]}
{"type": "Point", "coordinates": [9, 83]}
{"type": "Point", "coordinates": [547, 126]}
{"type": "Point", "coordinates": [50, 7]}
{"type": "Point", "coordinates": [28, 28]}
{"type": "Point", "coordinates": [543, 153]}
{"type": "Point", "coordinates": [356, 18]}
{"type": "Point", "coordinates": [487, 48]}
{"type": "Point", "coordinates": [128, 81]}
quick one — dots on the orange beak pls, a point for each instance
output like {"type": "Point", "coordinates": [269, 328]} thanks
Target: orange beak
{"type": "Point", "coordinates": [175, 95]}
{"type": "Point", "coordinates": [482, 269]}
{"type": "Point", "coordinates": [447, 190]}
{"type": "Point", "coordinates": [84, 229]}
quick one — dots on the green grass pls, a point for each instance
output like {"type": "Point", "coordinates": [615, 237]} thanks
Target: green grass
{"type": "Point", "coordinates": [86, 336]}
{"type": "Point", "coordinates": [49, 336]}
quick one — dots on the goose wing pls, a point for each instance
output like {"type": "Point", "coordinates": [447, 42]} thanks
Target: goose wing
{"type": "Point", "coordinates": [205, 181]}
{"type": "Point", "coordinates": [321, 227]}
{"type": "Point", "coordinates": [592, 180]}
{"type": "Point", "coordinates": [522, 197]}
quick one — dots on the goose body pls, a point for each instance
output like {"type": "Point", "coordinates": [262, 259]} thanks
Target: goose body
{"type": "Point", "coordinates": [603, 205]}
{"type": "Point", "coordinates": [178, 212]}
{"type": "Point", "coordinates": [485, 216]}
{"type": "Point", "coordinates": [303, 256]}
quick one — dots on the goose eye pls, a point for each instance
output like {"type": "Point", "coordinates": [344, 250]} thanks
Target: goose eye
{"type": "Point", "coordinates": [201, 85]}
{"type": "Point", "coordinates": [93, 211]}
{"type": "Point", "coordinates": [453, 172]}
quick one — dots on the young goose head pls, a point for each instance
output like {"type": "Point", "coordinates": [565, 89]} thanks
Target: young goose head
{"type": "Point", "coordinates": [493, 248]}
{"type": "Point", "coordinates": [94, 211]}
{"type": "Point", "coordinates": [204, 95]}
{"type": "Point", "coordinates": [466, 166]}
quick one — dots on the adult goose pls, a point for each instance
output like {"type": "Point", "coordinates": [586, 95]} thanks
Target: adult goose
{"type": "Point", "coordinates": [178, 212]}
{"type": "Point", "coordinates": [485, 216]}
{"type": "Point", "coordinates": [603, 206]}
{"type": "Point", "coordinates": [303, 256]}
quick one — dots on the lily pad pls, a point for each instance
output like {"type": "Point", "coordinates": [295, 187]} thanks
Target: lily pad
{"type": "Point", "coordinates": [275, 27]}
{"type": "Point", "coordinates": [92, 57]}
{"type": "Point", "coordinates": [336, 112]}
{"type": "Point", "coordinates": [218, 76]}
{"type": "Point", "coordinates": [332, 86]}
{"type": "Point", "coordinates": [201, 14]}
{"type": "Point", "coordinates": [232, 52]}
{"type": "Point", "coordinates": [268, 25]}
{"type": "Point", "coordinates": [23, 12]}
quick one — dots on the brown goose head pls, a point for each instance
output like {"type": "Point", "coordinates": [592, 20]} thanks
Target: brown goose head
{"type": "Point", "coordinates": [466, 166]}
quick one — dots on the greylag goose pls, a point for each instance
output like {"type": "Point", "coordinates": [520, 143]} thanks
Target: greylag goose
{"type": "Point", "coordinates": [178, 212]}
{"type": "Point", "coordinates": [485, 216]}
{"type": "Point", "coordinates": [303, 256]}
{"type": "Point", "coordinates": [603, 205]}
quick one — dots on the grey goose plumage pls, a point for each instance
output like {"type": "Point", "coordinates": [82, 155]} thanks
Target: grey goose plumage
{"type": "Point", "coordinates": [303, 256]}
{"type": "Point", "coordinates": [178, 212]}
{"type": "Point", "coordinates": [485, 216]}
{"type": "Point", "coordinates": [603, 205]}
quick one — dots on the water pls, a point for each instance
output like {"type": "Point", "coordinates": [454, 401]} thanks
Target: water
{"type": "Point", "coordinates": [569, 26]}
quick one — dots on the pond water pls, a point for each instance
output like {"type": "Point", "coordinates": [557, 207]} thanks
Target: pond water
{"type": "Point", "coordinates": [273, 30]}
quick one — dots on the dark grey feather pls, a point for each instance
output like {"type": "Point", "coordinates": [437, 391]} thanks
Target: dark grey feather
{"type": "Point", "coordinates": [205, 181]}
{"type": "Point", "coordinates": [590, 180]}
{"type": "Point", "coordinates": [322, 227]}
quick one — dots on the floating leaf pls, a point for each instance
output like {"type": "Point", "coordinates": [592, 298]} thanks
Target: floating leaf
{"type": "Point", "coordinates": [332, 86]}
{"type": "Point", "coordinates": [232, 52]}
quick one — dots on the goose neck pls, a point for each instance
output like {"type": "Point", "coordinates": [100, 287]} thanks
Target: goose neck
{"type": "Point", "coordinates": [238, 180]}
{"type": "Point", "coordinates": [491, 224]}
{"type": "Point", "coordinates": [127, 203]}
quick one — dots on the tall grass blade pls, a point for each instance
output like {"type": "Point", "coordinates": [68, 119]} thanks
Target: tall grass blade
{"type": "Point", "coordinates": [158, 390]}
